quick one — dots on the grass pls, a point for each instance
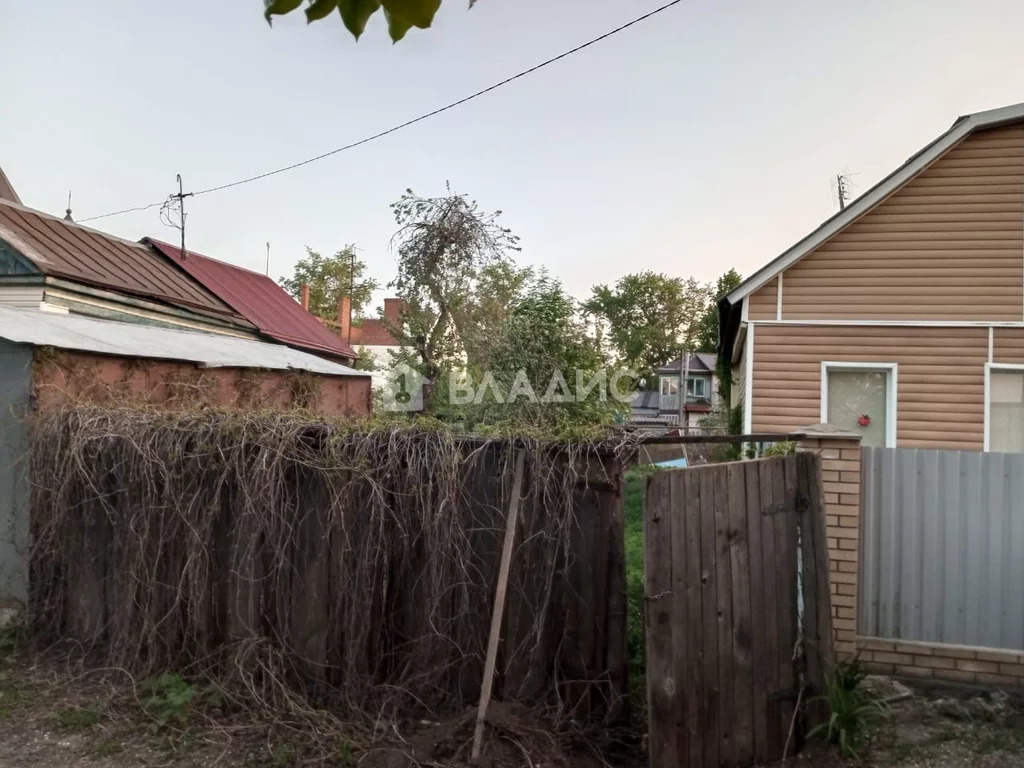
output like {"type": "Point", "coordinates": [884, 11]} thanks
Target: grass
{"type": "Point", "coordinates": [77, 718]}
{"type": "Point", "coordinates": [636, 486]}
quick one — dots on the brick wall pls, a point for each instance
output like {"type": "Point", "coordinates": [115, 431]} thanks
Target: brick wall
{"type": "Point", "coordinates": [960, 664]}
{"type": "Point", "coordinates": [840, 473]}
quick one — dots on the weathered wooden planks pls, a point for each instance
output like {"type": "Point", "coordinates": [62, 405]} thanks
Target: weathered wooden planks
{"type": "Point", "coordinates": [724, 545]}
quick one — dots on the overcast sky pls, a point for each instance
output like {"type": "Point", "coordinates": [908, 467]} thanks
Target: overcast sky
{"type": "Point", "coordinates": [703, 139]}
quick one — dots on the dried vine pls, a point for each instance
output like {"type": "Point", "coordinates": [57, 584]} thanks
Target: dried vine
{"type": "Point", "coordinates": [306, 563]}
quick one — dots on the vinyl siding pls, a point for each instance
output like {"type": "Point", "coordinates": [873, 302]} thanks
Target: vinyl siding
{"type": "Point", "coordinates": [764, 301]}
{"type": "Point", "coordinates": [949, 245]}
{"type": "Point", "coordinates": [940, 378]}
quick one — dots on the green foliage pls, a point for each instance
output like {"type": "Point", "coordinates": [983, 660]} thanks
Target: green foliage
{"type": "Point", "coordinates": [541, 349]}
{"type": "Point", "coordinates": [106, 747]}
{"type": "Point", "coordinates": [77, 718]}
{"type": "Point", "coordinates": [446, 247]}
{"type": "Point", "coordinates": [168, 699]}
{"type": "Point", "coordinates": [364, 361]}
{"type": "Point", "coordinates": [785, 448]}
{"type": "Point", "coordinates": [401, 15]}
{"type": "Point", "coordinates": [649, 318]}
{"type": "Point", "coordinates": [329, 279]}
{"type": "Point", "coordinates": [707, 326]}
{"type": "Point", "coordinates": [852, 709]}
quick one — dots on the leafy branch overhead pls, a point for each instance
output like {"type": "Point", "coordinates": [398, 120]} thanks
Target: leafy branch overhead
{"type": "Point", "coordinates": [401, 15]}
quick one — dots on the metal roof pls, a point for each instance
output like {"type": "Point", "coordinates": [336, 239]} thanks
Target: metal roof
{"type": "Point", "coordinates": [700, 362]}
{"type": "Point", "coordinates": [106, 337]}
{"type": "Point", "coordinates": [259, 300]}
{"type": "Point", "coordinates": [62, 248]}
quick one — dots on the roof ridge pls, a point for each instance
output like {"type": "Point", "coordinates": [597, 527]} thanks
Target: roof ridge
{"type": "Point", "coordinates": [190, 252]}
{"type": "Point", "coordinates": [68, 223]}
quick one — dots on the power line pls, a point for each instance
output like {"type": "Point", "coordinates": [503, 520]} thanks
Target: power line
{"type": "Point", "coordinates": [413, 121]}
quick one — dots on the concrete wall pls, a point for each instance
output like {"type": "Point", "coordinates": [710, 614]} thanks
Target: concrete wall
{"type": "Point", "coordinates": [15, 387]}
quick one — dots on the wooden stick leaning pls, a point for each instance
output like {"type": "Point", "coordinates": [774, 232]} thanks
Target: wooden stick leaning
{"type": "Point", "coordinates": [499, 605]}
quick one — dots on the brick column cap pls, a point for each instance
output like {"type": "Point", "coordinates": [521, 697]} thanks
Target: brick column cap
{"type": "Point", "coordinates": [825, 432]}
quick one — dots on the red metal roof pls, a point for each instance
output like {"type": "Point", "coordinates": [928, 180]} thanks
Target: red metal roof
{"type": "Point", "coordinates": [62, 248]}
{"type": "Point", "coordinates": [259, 300]}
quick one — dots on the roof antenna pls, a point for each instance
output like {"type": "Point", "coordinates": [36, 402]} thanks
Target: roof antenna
{"type": "Point", "coordinates": [268, 258]}
{"type": "Point", "coordinates": [180, 197]}
{"type": "Point", "coordinates": [67, 213]}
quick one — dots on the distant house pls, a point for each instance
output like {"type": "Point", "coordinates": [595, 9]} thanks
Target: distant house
{"type": "Point", "coordinates": [659, 406]}
{"type": "Point", "coordinates": [261, 301]}
{"type": "Point", "coordinates": [373, 334]}
{"type": "Point", "coordinates": [900, 317]}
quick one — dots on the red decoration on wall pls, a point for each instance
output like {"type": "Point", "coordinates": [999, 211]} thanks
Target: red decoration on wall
{"type": "Point", "coordinates": [864, 420]}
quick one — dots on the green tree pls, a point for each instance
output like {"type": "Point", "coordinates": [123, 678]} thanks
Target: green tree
{"type": "Point", "coordinates": [329, 278]}
{"type": "Point", "coordinates": [707, 327]}
{"type": "Point", "coordinates": [445, 247]}
{"type": "Point", "coordinates": [649, 317]}
{"type": "Point", "coordinates": [401, 15]}
{"type": "Point", "coordinates": [541, 362]}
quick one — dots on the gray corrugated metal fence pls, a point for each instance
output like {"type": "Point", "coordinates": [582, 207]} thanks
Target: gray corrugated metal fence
{"type": "Point", "coordinates": [942, 547]}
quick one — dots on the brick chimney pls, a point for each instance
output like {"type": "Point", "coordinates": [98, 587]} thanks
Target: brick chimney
{"type": "Point", "coordinates": [304, 293]}
{"type": "Point", "coordinates": [345, 319]}
{"type": "Point", "coordinates": [393, 309]}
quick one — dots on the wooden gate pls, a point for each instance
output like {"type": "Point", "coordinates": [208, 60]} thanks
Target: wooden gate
{"type": "Point", "coordinates": [736, 574]}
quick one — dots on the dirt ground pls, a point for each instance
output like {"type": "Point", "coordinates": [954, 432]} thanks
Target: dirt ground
{"type": "Point", "coordinates": [52, 717]}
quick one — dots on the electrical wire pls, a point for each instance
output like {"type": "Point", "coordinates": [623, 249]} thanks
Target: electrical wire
{"type": "Point", "coordinates": [414, 120]}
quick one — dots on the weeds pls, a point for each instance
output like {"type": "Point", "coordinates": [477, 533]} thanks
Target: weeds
{"type": "Point", "coordinates": [852, 709]}
{"type": "Point", "coordinates": [13, 638]}
{"type": "Point", "coordinates": [106, 747]}
{"type": "Point", "coordinates": [77, 718]}
{"type": "Point", "coordinates": [168, 700]}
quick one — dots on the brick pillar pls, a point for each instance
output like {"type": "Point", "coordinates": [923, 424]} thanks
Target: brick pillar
{"type": "Point", "coordinates": [840, 475]}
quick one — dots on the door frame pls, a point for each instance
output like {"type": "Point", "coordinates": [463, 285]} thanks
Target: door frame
{"type": "Point", "coordinates": [891, 391]}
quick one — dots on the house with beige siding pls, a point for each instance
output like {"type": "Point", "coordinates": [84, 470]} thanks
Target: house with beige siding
{"type": "Point", "coordinates": [902, 316]}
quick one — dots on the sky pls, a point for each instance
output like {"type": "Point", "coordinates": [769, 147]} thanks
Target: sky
{"type": "Point", "coordinates": [705, 138]}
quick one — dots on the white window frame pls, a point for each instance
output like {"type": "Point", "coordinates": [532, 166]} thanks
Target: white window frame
{"type": "Point", "coordinates": [989, 367]}
{"type": "Point", "coordinates": [891, 408]}
{"type": "Point", "coordinates": [671, 381]}
{"type": "Point", "coordinates": [692, 382]}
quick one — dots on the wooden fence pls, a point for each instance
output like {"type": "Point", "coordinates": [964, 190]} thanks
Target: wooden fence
{"type": "Point", "coordinates": [363, 578]}
{"type": "Point", "coordinates": [738, 626]}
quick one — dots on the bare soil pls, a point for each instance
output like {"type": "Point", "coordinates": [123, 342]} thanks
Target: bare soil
{"type": "Point", "coordinates": [52, 716]}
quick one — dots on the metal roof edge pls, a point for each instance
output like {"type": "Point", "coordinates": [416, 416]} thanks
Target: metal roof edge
{"type": "Point", "coordinates": [914, 165]}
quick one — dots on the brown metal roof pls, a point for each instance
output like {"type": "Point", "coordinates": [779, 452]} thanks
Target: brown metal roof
{"type": "Point", "coordinates": [61, 248]}
{"type": "Point", "coordinates": [260, 300]}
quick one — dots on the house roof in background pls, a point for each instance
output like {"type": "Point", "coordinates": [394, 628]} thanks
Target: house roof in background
{"type": "Point", "coordinates": [700, 362]}
{"type": "Point", "coordinates": [371, 332]}
{"type": "Point", "coordinates": [106, 337]}
{"type": "Point", "coordinates": [961, 128]}
{"type": "Point", "coordinates": [259, 300]}
{"type": "Point", "coordinates": [65, 249]}
{"type": "Point", "coordinates": [7, 189]}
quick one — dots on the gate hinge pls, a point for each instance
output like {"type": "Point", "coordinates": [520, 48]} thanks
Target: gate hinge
{"type": "Point", "coordinates": [797, 504]}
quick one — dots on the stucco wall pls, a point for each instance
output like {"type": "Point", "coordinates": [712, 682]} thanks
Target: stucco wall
{"type": "Point", "coordinates": [62, 376]}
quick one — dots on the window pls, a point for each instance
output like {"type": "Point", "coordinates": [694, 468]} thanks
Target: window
{"type": "Point", "coordinates": [669, 386]}
{"type": "Point", "coordinates": [1005, 417]}
{"type": "Point", "coordinates": [861, 398]}
{"type": "Point", "coordinates": [697, 387]}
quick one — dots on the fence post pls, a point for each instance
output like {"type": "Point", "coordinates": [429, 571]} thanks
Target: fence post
{"type": "Point", "coordinates": [840, 455]}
